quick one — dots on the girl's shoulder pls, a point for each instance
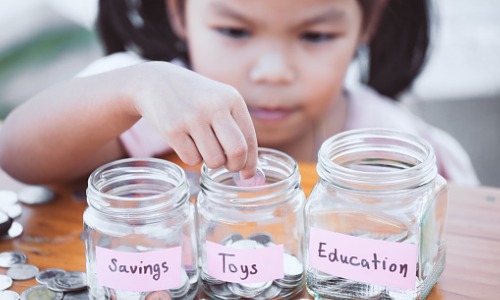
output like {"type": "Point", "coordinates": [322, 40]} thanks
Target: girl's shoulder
{"type": "Point", "coordinates": [368, 109]}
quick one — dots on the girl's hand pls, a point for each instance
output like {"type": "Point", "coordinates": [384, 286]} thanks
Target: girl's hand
{"type": "Point", "coordinates": [200, 118]}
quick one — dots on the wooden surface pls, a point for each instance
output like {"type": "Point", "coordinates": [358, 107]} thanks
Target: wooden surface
{"type": "Point", "coordinates": [52, 237]}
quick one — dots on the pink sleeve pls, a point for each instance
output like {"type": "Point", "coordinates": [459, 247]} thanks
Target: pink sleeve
{"type": "Point", "coordinates": [143, 140]}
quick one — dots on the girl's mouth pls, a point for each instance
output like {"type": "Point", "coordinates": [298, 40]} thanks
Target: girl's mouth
{"type": "Point", "coordinates": [269, 114]}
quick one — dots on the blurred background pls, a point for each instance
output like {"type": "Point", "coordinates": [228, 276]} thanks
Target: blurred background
{"type": "Point", "coordinates": [43, 42]}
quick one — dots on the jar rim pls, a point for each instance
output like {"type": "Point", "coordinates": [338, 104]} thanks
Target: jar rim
{"type": "Point", "coordinates": [178, 189]}
{"type": "Point", "coordinates": [390, 141]}
{"type": "Point", "coordinates": [265, 192]}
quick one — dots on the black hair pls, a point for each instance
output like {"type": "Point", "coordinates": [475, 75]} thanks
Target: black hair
{"type": "Point", "coordinates": [397, 50]}
{"type": "Point", "coordinates": [139, 26]}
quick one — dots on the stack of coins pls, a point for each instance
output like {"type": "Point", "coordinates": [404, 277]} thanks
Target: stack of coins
{"type": "Point", "coordinates": [54, 283]}
{"type": "Point", "coordinates": [279, 288]}
{"type": "Point", "coordinates": [11, 209]}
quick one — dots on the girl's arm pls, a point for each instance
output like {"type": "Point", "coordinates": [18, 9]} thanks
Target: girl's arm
{"type": "Point", "coordinates": [68, 130]}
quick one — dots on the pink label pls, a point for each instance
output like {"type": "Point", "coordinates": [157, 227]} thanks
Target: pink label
{"type": "Point", "coordinates": [242, 265]}
{"type": "Point", "coordinates": [139, 271]}
{"type": "Point", "coordinates": [370, 261]}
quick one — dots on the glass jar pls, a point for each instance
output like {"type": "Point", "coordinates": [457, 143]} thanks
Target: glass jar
{"type": "Point", "coordinates": [251, 237]}
{"type": "Point", "coordinates": [375, 218]}
{"type": "Point", "coordinates": [140, 232]}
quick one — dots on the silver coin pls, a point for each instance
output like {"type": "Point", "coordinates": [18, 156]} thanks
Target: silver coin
{"type": "Point", "coordinates": [53, 287]}
{"type": "Point", "coordinates": [222, 291]}
{"type": "Point", "coordinates": [71, 281]}
{"type": "Point", "coordinates": [9, 295]}
{"type": "Point", "coordinates": [157, 295]}
{"type": "Point", "coordinates": [261, 238]}
{"type": "Point", "coordinates": [9, 258]}
{"type": "Point", "coordinates": [270, 293]}
{"type": "Point", "coordinates": [14, 210]}
{"type": "Point", "coordinates": [48, 274]}
{"type": "Point", "coordinates": [248, 290]}
{"type": "Point", "coordinates": [8, 197]}
{"type": "Point", "coordinates": [22, 271]}
{"type": "Point", "coordinates": [40, 292]}
{"type": "Point", "coordinates": [228, 240]}
{"type": "Point", "coordinates": [16, 229]}
{"type": "Point", "coordinates": [246, 245]}
{"type": "Point", "coordinates": [182, 289]}
{"type": "Point", "coordinates": [81, 295]}
{"type": "Point", "coordinates": [5, 223]}
{"type": "Point", "coordinates": [35, 195]}
{"type": "Point", "coordinates": [5, 282]}
{"type": "Point", "coordinates": [258, 179]}
{"type": "Point", "coordinates": [293, 267]}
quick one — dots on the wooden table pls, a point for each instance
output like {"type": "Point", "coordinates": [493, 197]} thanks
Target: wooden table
{"type": "Point", "coordinates": [52, 237]}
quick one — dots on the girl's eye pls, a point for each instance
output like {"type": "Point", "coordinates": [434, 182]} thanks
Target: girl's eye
{"type": "Point", "coordinates": [233, 32]}
{"type": "Point", "coordinates": [317, 37]}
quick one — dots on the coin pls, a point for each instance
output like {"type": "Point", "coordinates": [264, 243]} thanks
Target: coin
{"type": "Point", "coordinates": [5, 223]}
{"type": "Point", "coordinates": [70, 281]}
{"type": "Point", "coordinates": [9, 295]}
{"type": "Point", "coordinates": [293, 267]}
{"type": "Point", "coordinates": [258, 179]}
{"type": "Point", "coordinates": [14, 210]}
{"type": "Point", "coordinates": [15, 230]}
{"type": "Point", "coordinates": [158, 295]}
{"type": "Point", "coordinates": [5, 282]}
{"type": "Point", "coordinates": [35, 194]}
{"type": "Point", "coordinates": [46, 275]}
{"type": "Point", "coordinates": [9, 258]}
{"type": "Point", "coordinates": [8, 197]}
{"type": "Point", "coordinates": [261, 238]}
{"type": "Point", "coordinates": [22, 271]}
{"type": "Point", "coordinates": [40, 292]}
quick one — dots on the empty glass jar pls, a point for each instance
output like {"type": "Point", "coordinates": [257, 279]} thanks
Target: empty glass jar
{"type": "Point", "coordinates": [251, 235]}
{"type": "Point", "coordinates": [140, 232]}
{"type": "Point", "coordinates": [375, 220]}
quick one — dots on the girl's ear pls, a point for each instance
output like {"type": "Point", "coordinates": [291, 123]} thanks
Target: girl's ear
{"type": "Point", "coordinates": [372, 21]}
{"type": "Point", "coordinates": [175, 12]}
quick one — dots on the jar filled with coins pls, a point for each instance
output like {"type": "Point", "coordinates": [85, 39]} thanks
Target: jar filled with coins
{"type": "Point", "coordinates": [251, 230]}
{"type": "Point", "coordinates": [140, 232]}
{"type": "Point", "coordinates": [375, 220]}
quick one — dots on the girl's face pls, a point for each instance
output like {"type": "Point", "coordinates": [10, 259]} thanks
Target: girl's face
{"type": "Point", "coordinates": [288, 59]}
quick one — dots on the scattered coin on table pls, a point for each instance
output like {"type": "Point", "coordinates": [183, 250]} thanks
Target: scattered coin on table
{"type": "Point", "coordinates": [9, 295]}
{"type": "Point", "coordinates": [9, 258]}
{"type": "Point", "coordinates": [55, 283]}
{"type": "Point", "coordinates": [46, 275]}
{"type": "Point", "coordinates": [40, 292]}
{"type": "Point", "coordinates": [5, 282]}
{"type": "Point", "coordinates": [35, 194]}
{"type": "Point", "coordinates": [22, 271]}
{"type": "Point", "coordinates": [5, 223]}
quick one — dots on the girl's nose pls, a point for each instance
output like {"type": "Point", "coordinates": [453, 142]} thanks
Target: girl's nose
{"type": "Point", "coordinates": [272, 68]}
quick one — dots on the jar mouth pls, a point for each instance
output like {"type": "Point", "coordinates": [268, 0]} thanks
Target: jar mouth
{"type": "Point", "coordinates": [376, 159]}
{"type": "Point", "coordinates": [137, 186]}
{"type": "Point", "coordinates": [281, 172]}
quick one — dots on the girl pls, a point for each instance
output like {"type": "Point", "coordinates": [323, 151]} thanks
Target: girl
{"type": "Point", "coordinates": [267, 72]}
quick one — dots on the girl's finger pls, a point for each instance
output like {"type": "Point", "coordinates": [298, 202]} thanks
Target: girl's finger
{"type": "Point", "coordinates": [243, 120]}
{"type": "Point", "coordinates": [208, 145]}
{"type": "Point", "coordinates": [186, 149]}
{"type": "Point", "coordinates": [232, 141]}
